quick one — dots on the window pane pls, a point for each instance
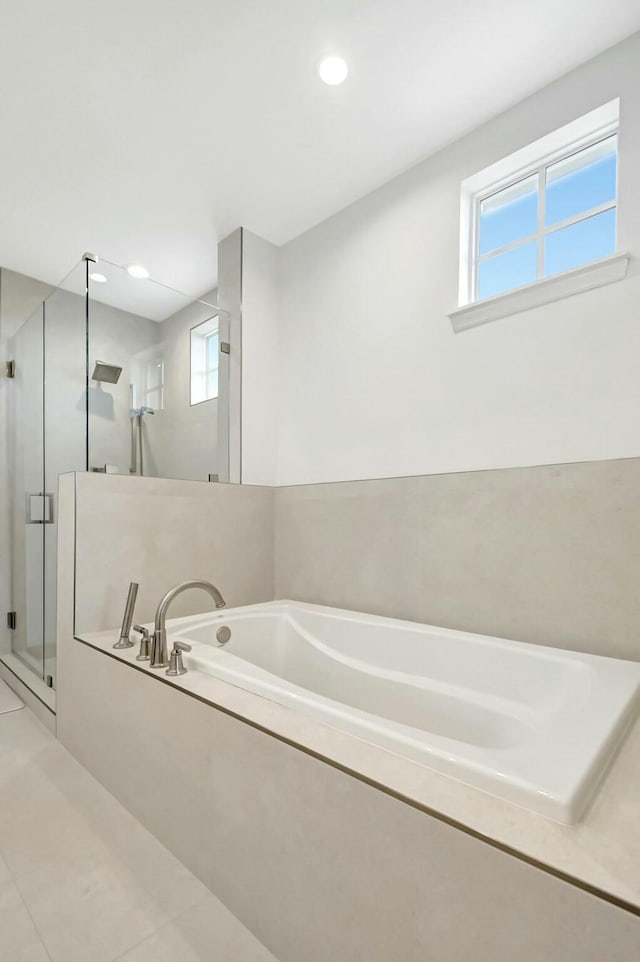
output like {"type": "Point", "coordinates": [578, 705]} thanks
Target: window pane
{"type": "Point", "coordinates": [212, 384]}
{"type": "Point", "coordinates": [153, 399]}
{"type": "Point", "coordinates": [212, 351]}
{"type": "Point", "coordinates": [581, 182]}
{"type": "Point", "coordinates": [509, 215]}
{"type": "Point", "coordinates": [580, 243]}
{"type": "Point", "coordinates": [505, 271]}
{"type": "Point", "coordinates": [204, 361]}
{"type": "Point", "coordinates": [154, 374]}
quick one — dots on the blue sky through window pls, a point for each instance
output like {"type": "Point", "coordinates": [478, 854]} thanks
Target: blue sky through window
{"type": "Point", "coordinates": [573, 186]}
{"type": "Point", "coordinates": [580, 188]}
{"type": "Point", "coordinates": [508, 216]}
{"type": "Point", "coordinates": [584, 241]}
{"type": "Point", "coordinates": [512, 268]}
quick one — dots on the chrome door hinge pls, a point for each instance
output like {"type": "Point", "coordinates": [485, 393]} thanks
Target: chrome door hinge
{"type": "Point", "coordinates": [11, 620]}
{"type": "Point", "coordinates": [11, 368]}
{"type": "Point", "coordinates": [225, 347]}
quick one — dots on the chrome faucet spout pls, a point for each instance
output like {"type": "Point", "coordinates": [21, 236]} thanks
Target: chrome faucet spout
{"type": "Point", "coordinates": [159, 641]}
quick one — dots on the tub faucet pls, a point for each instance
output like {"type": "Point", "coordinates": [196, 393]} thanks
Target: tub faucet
{"type": "Point", "coordinates": [159, 638]}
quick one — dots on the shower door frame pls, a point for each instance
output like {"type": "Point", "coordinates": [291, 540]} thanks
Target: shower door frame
{"type": "Point", "coordinates": [40, 681]}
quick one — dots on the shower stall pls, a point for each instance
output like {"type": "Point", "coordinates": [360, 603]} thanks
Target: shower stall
{"type": "Point", "coordinates": [100, 377]}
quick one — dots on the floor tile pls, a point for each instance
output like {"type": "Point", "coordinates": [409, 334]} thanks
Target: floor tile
{"type": "Point", "coordinates": [208, 932]}
{"type": "Point", "coordinates": [9, 701]}
{"type": "Point", "coordinates": [19, 940]}
{"type": "Point", "coordinates": [87, 879]}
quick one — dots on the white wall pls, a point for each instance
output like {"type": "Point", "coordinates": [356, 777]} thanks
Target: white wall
{"type": "Point", "coordinates": [230, 275]}
{"type": "Point", "coordinates": [372, 380]}
{"type": "Point", "coordinates": [260, 347]}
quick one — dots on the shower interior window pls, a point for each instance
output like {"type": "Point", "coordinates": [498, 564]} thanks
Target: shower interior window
{"type": "Point", "coordinates": [152, 393]}
{"type": "Point", "coordinates": [204, 361]}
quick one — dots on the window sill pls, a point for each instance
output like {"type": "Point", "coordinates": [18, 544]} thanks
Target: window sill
{"type": "Point", "coordinates": [605, 271]}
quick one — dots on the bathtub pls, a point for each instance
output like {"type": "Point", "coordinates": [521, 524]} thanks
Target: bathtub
{"type": "Point", "coordinates": [532, 725]}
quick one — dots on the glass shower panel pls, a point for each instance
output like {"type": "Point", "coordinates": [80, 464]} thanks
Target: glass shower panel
{"type": "Point", "coordinates": [65, 424]}
{"type": "Point", "coordinates": [141, 417]}
{"type": "Point", "coordinates": [28, 504]}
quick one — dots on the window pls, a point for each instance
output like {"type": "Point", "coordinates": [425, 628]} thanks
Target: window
{"type": "Point", "coordinates": [561, 216]}
{"type": "Point", "coordinates": [204, 361]}
{"type": "Point", "coordinates": [538, 214]}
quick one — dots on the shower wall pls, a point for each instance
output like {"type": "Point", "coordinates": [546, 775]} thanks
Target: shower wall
{"type": "Point", "coordinates": [181, 440]}
{"type": "Point", "coordinates": [116, 337]}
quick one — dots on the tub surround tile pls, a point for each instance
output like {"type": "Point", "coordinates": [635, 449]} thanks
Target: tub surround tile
{"type": "Point", "coordinates": [178, 812]}
{"type": "Point", "coordinates": [321, 865]}
{"type": "Point", "coordinates": [400, 882]}
{"type": "Point", "coordinates": [544, 554]}
{"type": "Point", "coordinates": [547, 554]}
{"type": "Point", "coordinates": [163, 532]}
{"type": "Point", "coordinates": [311, 884]}
{"type": "Point", "coordinates": [602, 851]}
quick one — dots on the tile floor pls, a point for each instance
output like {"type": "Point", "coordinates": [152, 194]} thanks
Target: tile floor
{"type": "Point", "coordinates": [82, 881]}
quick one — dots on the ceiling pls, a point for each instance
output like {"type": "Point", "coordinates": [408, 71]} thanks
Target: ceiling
{"type": "Point", "coordinates": [146, 130]}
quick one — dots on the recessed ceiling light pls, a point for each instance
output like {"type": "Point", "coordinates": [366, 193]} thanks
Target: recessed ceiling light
{"type": "Point", "coordinates": [136, 270]}
{"type": "Point", "coordinates": [333, 70]}
{"type": "Point", "coordinates": [98, 278]}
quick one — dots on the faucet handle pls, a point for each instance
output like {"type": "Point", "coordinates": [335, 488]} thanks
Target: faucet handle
{"type": "Point", "coordinates": [124, 640]}
{"type": "Point", "coordinates": [145, 643]}
{"type": "Point", "coordinates": [176, 665]}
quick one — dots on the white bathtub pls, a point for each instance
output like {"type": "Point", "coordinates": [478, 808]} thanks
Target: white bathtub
{"type": "Point", "coordinates": [533, 725]}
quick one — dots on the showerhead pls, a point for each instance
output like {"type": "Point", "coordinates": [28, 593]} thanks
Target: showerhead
{"type": "Point", "coordinates": [108, 373]}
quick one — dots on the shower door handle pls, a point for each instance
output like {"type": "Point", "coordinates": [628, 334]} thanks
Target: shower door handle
{"type": "Point", "coordinates": [39, 508]}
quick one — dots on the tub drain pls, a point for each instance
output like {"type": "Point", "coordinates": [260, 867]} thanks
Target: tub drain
{"type": "Point", "coordinates": [223, 634]}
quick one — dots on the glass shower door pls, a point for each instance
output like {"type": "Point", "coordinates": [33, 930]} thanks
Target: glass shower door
{"type": "Point", "coordinates": [65, 427]}
{"type": "Point", "coordinates": [47, 436]}
{"type": "Point", "coordinates": [28, 502]}
{"type": "Point", "coordinates": [113, 374]}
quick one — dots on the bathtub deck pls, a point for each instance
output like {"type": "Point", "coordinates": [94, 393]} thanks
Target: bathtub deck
{"type": "Point", "coordinates": [601, 853]}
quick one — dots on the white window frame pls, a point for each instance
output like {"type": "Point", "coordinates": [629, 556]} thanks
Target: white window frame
{"type": "Point", "coordinates": [596, 126]}
{"type": "Point", "coordinates": [542, 230]}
